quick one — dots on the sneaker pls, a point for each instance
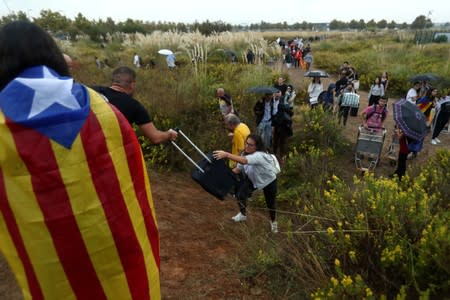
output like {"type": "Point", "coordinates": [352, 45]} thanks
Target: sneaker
{"type": "Point", "coordinates": [274, 226]}
{"type": "Point", "coordinates": [434, 142]}
{"type": "Point", "coordinates": [437, 140]}
{"type": "Point", "coordinates": [239, 218]}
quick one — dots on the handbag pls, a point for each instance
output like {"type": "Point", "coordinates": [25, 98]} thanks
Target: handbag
{"type": "Point", "coordinates": [350, 99]}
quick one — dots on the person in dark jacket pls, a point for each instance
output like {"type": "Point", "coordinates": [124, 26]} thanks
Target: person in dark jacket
{"type": "Point", "coordinates": [250, 56]}
{"type": "Point", "coordinates": [281, 126]}
{"type": "Point", "coordinates": [263, 115]}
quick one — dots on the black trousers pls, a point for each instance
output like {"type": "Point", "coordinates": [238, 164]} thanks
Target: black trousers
{"type": "Point", "coordinates": [245, 189]}
{"type": "Point", "coordinates": [441, 120]}
{"type": "Point", "coordinates": [374, 99]}
{"type": "Point", "coordinates": [279, 142]}
{"type": "Point", "coordinates": [343, 114]}
{"type": "Point", "coordinates": [401, 165]}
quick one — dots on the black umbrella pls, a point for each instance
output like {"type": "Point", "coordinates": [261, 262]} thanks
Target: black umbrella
{"type": "Point", "coordinates": [410, 119]}
{"type": "Point", "coordinates": [424, 77]}
{"type": "Point", "coordinates": [263, 90]}
{"type": "Point", "coordinates": [316, 73]}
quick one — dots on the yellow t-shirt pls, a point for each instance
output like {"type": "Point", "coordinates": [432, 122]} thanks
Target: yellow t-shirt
{"type": "Point", "coordinates": [240, 134]}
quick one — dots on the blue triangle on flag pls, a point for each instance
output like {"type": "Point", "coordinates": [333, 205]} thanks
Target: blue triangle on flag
{"type": "Point", "coordinates": [42, 100]}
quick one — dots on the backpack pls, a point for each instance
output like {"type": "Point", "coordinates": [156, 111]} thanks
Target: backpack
{"type": "Point", "coordinates": [383, 113]}
{"type": "Point", "coordinates": [275, 164]}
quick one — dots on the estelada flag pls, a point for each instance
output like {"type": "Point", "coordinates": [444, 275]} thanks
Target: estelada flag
{"type": "Point", "coordinates": [77, 219]}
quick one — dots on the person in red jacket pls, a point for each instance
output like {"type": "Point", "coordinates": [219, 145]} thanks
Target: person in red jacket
{"type": "Point", "coordinates": [402, 153]}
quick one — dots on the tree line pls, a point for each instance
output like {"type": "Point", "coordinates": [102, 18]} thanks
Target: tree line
{"type": "Point", "coordinates": [98, 30]}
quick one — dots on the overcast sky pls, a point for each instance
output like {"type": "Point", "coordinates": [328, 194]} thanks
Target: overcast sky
{"type": "Point", "coordinates": [238, 11]}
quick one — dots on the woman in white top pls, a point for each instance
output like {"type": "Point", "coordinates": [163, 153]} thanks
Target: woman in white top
{"type": "Point", "coordinates": [259, 173]}
{"type": "Point", "coordinates": [376, 91]}
{"type": "Point", "coordinates": [314, 90]}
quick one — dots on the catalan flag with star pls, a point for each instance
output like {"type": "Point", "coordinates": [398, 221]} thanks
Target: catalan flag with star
{"type": "Point", "coordinates": [77, 219]}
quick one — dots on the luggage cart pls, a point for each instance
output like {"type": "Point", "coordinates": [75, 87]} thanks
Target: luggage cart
{"type": "Point", "coordinates": [212, 175]}
{"type": "Point", "coordinates": [392, 153]}
{"type": "Point", "coordinates": [369, 145]}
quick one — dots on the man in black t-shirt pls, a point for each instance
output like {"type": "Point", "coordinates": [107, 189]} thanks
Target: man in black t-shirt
{"type": "Point", "coordinates": [281, 85]}
{"type": "Point", "coordinates": [120, 95]}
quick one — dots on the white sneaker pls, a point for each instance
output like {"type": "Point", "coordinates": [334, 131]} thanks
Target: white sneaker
{"type": "Point", "coordinates": [434, 142]}
{"type": "Point", "coordinates": [239, 218]}
{"type": "Point", "coordinates": [437, 140]}
{"type": "Point", "coordinates": [274, 226]}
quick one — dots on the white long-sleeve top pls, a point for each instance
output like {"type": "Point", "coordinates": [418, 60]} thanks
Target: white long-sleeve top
{"type": "Point", "coordinates": [376, 90]}
{"type": "Point", "coordinates": [314, 90]}
{"type": "Point", "coordinates": [259, 169]}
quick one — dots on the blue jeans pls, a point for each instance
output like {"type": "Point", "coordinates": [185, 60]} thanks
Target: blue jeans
{"type": "Point", "coordinates": [265, 131]}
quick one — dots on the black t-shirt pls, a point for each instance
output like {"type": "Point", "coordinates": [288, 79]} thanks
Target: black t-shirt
{"type": "Point", "coordinates": [282, 88]}
{"type": "Point", "coordinates": [132, 109]}
{"type": "Point", "coordinates": [340, 85]}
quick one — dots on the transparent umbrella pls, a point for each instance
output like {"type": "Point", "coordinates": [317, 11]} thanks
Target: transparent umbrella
{"type": "Point", "coordinates": [165, 52]}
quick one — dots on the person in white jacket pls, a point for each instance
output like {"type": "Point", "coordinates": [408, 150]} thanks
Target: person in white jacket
{"type": "Point", "coordinates": [259, 173]}
{"type": "Point", "coordinates": [314, 90]}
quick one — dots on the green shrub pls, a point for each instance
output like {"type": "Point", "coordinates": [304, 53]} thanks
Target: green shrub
{"type": "Point", "coordinates": [441, 39]}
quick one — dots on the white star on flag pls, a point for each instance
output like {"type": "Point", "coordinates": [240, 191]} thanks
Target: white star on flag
{"type": "Point", "coordinates": [49, 91]}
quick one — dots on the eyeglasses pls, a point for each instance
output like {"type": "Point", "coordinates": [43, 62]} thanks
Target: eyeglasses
{"type": "Point", "coordinates": [250, 145]}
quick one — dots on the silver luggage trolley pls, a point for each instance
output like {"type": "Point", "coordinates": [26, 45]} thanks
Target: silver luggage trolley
{"type": "Point", "coordinates": [392, 152]}
{"type": "Point", "coordinates": [369, 145]}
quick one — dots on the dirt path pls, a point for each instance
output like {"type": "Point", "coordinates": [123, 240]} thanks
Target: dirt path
{"type": "Point", "coordinates": [198, 241]}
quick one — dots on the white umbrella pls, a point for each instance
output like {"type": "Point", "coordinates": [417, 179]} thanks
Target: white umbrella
{"type": "Point", "coordinates": [165, 52]}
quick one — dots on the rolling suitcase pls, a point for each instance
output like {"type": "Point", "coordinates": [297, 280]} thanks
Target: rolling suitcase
{"type": "Point", "coordinates": [213, 175]}
{"type": "Point", "coordinates": [352, 100]}
{"type": "Point", "coordinates": [354, 111]}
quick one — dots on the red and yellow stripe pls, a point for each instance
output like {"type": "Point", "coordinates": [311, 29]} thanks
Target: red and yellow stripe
{"type": "Point", "coordinates": [79, 223]}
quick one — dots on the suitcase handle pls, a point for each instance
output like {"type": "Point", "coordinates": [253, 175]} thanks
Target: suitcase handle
{"type": "Point", "coordinates": [195, 147]}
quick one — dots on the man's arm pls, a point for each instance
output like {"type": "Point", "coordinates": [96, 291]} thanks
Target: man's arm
{"type": "Point", "coordinates": [364, 118]}
{"type": "Point", "coordinates": [157, 136]}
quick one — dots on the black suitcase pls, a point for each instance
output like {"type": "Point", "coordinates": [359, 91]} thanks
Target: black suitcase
{"type": "Point", "coordinates": [217, 179]}
{"type": "Point", "coordinates": [213, 175]}
{"type": "Point", "coordinates": [354, 111]}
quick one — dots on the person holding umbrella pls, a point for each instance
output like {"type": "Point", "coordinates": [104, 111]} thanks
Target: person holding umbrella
{"type": "Point", "coordinates": [314, 90]}
{"type": "Point", "coordinates": [411, 129]}
{"type": "Point", "coordinates": [281, 126]}
{"type": "Point", "coordinates": [402, 153]}
{"type": "Point", "coordinates": [170, 59]}
{"type": "Point", "coordinates": [263, 113]}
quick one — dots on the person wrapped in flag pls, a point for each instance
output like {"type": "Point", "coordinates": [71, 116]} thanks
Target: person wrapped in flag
{"type": "Point", "coordinates": [427, 102]}
{"type": "Point", "coordinates": [77, 219]}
